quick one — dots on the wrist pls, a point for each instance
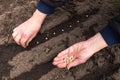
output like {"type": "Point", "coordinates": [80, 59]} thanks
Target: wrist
{"type": "Point", "coordinates": [96, 43]}
{"type": "Point", "coordinates": [38, 17]}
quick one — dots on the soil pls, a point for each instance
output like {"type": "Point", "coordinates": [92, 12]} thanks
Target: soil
{"type": "Point", "coordinates": [80, 20]}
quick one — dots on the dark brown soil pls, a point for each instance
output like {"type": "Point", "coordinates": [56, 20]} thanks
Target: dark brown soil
{"type": "Point", "coordinates": [80, 20]}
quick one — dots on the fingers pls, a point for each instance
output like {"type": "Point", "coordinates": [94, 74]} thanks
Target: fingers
{"type": "Point", "coordinates": [14, 34]}
{"type": "Point", "coordinates": [59, 60]}
{"type": "Point", "coordinates": [23, 41]}
{"type": "Point", "coordinates": [63, 53]}
{"type": "Point", "coordinates": [60, 64]}
{"type": "Point", "coordinates": [17, 37]}
{"type": "Point", "coordinates": [27, 39]}
{"type": "Point", "coordinates": [15, 29]}
{"type": "Point", "coordinates": [30, 39]}
{"type": "Point", "coordinates": [20, 38]}
{"type": "Point", "coordinates": [73, 64]}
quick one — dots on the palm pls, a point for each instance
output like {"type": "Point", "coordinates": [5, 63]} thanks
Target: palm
{"type": "Point", "coordinates": [80, 53]}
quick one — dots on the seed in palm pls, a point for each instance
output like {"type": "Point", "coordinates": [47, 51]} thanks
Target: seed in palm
{"type": "Point", "coordinates": [68, 60]}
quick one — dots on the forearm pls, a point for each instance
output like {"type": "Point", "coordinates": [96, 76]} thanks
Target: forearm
{"type": "Point", "coordinates": [108, 36]}
{"type": "Point", "coordinates": [96, 43]}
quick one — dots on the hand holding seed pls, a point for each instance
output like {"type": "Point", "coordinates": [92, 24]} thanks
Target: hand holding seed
{"type": "Point", "coordinates": [77, 54]}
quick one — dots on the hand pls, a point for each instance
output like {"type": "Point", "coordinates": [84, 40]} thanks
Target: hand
{"type": "Point", "coordinates": [25, 32]}
{"type": "Point", "coordinates": [81, 52]}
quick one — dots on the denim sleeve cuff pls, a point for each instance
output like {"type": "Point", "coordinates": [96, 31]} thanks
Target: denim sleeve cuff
{"type": "Point", "coordinates": [45, 8]}
{"type": "Point", "coordinates": [110, 35]}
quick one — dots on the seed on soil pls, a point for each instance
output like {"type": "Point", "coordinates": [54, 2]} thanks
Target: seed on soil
{"type": "Point", "coordinates": [87, 16]}
{"type": "Point", "coordinates": [62, 29]}
{"type": "Point", "coordinates": [54, 33]}
{"type": "Point", "coordinates": [37, 42]}
{"type": "Point", "coordinates": [78, 21]}
{"type": "Point", "coordinates": [46, 38]}
{"type": "Point", "coordinates": [70, 26]}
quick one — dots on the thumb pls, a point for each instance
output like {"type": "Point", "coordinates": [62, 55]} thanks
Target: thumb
{"type": "Point", "coordinates": [73, 64]}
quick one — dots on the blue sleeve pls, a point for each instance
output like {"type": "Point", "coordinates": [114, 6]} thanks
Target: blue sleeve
{"type": "Point", "coordinates": [110, 35]}
{"type": "Point", "coordinates": [45, 8]}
